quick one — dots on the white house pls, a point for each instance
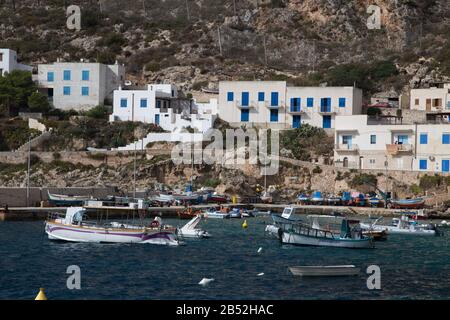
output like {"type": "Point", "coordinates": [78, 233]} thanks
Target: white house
{"type": "Point", "coordinates": [273, 104]}
{"type": "Point", "coordinates": [160, 104]}
{"type": "Point", "coordinates": [431, 99]}
{"type": "Point", "coordinates": [8, 62]}
{"type": "Point", "coordinates": [79, 85]}
{"type": "Point", "coordinates": [364, 142]}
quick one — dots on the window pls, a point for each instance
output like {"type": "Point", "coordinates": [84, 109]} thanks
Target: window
{"type": "Point", "coordinates": [325, 105]}
{"type": "Point", "coordinates": [274, 99]}
{"type": "Point", "coordinates": [143, 103]}
{"type": "Point", "coordinates": [416, 102]}
{"type": "Point", "coordinates": [341, 102]}
{"type": "Point", "coordinates": [274, 115]}
{"type": "Point", "coordinates": [245, 99]}
{"type": "Point", "coordinates": [446, 138]}
{"type": "Point", "coordinates": [261, 96]}
{"type": "Point", "coordinates": [67, 75]}
{"type": "Point", "coordinates": [1, 56]}
{"type": "Point", "coordinates": [402, 139]}
{"type": "Point", "coordinates": [84, 91]}
{"type": "Point", "coordinates": [423, 138]}
{"type": "Point", "coordinates": [373, 139]}
{"type": "Point", "coordinates": [158, 103]}
{"type": "Point", "coordinates": [230, 96]}
{"type": "Point", "coordinates": [295, 104]}
{"type": "Point", "coordinates": [85, 75]}
{"type": "Point", "coordinates": [423, 164]}
{"type": "Point", "coordinates": [347, 140]}
{"type": "Point", "coordinates": [66, 91]}
{"type": "Point", "coordinates": [310, 102]}
{"type": "Point", "coordinates": [372, 161]}
{"type": "Point", "coordinates": [173, 93]}
{"type": "Point", "coordinates": [123, 103]}
{"type": "Point", "coordinates": [50, 76]}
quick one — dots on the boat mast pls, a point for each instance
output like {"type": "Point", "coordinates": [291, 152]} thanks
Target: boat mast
{"type": "Point", "coordinates": [28, 170]}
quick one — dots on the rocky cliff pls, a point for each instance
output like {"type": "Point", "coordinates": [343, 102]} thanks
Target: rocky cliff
{"type": "Point", "coordinates": [197, 43]}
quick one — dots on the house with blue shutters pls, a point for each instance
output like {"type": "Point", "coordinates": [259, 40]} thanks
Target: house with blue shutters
{"type": "Point", "coordinates": [364, 142]}
{"type": "Point", "coordinates": [79, 85]}
{"type": "Point", "coordinates": [273, 104]}
{"type": "Point", "coordinates": [160, 104]}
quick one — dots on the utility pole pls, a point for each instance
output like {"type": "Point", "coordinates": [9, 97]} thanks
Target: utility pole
{"type": "Point", "coordinates": [28, 171]}
{"type": "Point", "coordinates": [134, 160]}
{"type": "Point", "coordinates": [234, 7]}
{"type": "Point", "coordinates": [187, 10]}
{"type": "Point", "coordinates": [265, 50]}
{"type": "Point", "coordinates": [220, 41]}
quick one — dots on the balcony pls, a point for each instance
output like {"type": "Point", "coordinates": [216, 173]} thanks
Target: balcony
{"type": "Point", "coordinates": [296, 110]}
{"type": "Point", "coordinates": [268, 105]}
{"type": "Point", "coordinates": [327, 110]}
{"type": "Point", "coordinates": [353, 148]}
{"type": "Point", "coordinates": [395, 149]}
{"type": "Point", "coordinates": [239, 105]}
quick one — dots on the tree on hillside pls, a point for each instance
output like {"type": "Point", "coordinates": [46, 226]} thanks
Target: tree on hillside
{"type": "Point", "coordinates": [38, 102]}
{"type": "Point", "coordinates": [15, 88]}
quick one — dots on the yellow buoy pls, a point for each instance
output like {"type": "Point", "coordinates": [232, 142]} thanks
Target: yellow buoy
{"type": "Point", "coordinates": [41, 295]}
{"type": "Point", "coordinates": [245, 224]}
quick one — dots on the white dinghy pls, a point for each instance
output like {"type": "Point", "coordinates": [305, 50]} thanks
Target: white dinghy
{"type": "Point", "coordinates": [325, 271]}
{"type": "Point", "coordinates": [189, 230]}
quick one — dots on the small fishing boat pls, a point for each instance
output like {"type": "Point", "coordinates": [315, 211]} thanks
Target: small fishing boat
{"type": "Point", "coordinates": [66, 200]}
{"type": "Point", "coordinates": [346, 198]}
{"type": "Point", "coordinates": [303, 198]}
{"type": "Point", "coordinates": [417, 203]}
{"type": "Point", "coordinates": [402, 226]}
{"type": "Point", "coordinates": [223, 213]}
{"type": "Point", "coordinates": [189, 213]}
{"type": "Point", "coordinates": [317, 198]}
{"type": "Point", "coordinates": [190, 230]}
{"type": "Point", "coordinates": [374, 202]}
{"type": "Point", "coordinates": [266, 197]}
{"type": "Point", "coordinates": [325, 271]}
{"type": "Point", "coordinates": [333, 200]}
{"type": "Point", "coordinates": [75, 227]}
{"type": "Point", "coordinates": [360, 200]}
{"type": "Point", "coordinates": [218, 198]}
{"type": "Point", "coordinates": [290, 230]}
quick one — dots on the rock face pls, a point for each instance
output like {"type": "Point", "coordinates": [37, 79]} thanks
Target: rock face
{"type": "Point", "coordinates": [196, 42]}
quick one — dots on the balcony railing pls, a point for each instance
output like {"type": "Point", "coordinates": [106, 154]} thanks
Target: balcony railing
{"type": "Point", "coordinates": [239, 105]}
{"type": "Point", "coordinates": [296, 110]}
{"type": "Point", "coordinates": [346, 147]}
{"type": "Point", "coordinates": [394, 149]}
{"type": "Point", "coordinates": [327, 110]}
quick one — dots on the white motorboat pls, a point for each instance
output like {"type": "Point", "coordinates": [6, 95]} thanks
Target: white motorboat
{"type": "Point", "coordinates": [296, 231]}
{"type": "Point", "coordinates": [325, 271]}
{"type": "Point", "coordinates": [216, 214]}
{"type": "Point", "coordinates": [189, 230]}
{"type": "Point", "coordinates": [404, 225]}
{"type": "Point", "coordinates": [74, 227]}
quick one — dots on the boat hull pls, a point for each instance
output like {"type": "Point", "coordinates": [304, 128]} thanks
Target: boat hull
{"type": "Point", "coordinates": [303, 240]}
{"type": "Point", "coordinates": [73, 233]}
{"type": "Point", "coordinates": [395, 230]}
{"type": "Point", "coordinates": [325, 271]}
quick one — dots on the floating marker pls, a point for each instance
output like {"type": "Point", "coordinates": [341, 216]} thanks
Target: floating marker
{"type": "Point", "coordinates": [205, 281]}
{"type": "Point", "coordinates": [245, 224]}
{"type": "Point", "coordinates": [260, 274]}
{"type": "Point", "coordinates": [41, 295]}
{"type": "Point", "coordinates": [260, 249]}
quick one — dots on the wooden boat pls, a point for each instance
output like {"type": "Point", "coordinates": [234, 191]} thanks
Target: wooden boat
{"type": "Point", "coordinates": [217, 198]}
{"type": "Point", "coordinates": [417, 203]}
{"type": "Point", "coordinates": [374, 202]}
{"type": "Point", "coordinates": [189, 213]}
{"type": "Point", "coordinates": [333, 200]}
{"type": "Point", "coordinates": [66, 200]}
{"type": "Point", "coordinates": [303, 198]}
{"type": "Point", "coordinates": [317, 198]}
{"type": "Point", "coordinates": [325, 271]}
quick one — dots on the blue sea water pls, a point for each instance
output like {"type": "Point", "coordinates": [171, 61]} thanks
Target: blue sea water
{"type": "Point", "coordinates": [411, 267]}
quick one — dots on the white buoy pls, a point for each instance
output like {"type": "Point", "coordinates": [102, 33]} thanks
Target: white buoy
{"type": "Point", "coordinates": [260, 274]}
{"type": "Point", "coordinates": [260, 249]}
{"type": "Point", "coordinates": [205, 281]}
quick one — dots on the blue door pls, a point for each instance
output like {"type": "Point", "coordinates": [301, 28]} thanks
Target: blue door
{"type": "Point", "coordinates": [274, 99]}
{"type": "Point", "coordinates": [326, 122]}
{"type": "Point", "coordinates": [245, 115]}
{"type": "Point", "coordinates": [274, 115]}
{"type": "Point", "coordinates": [157, 119]}
{"type": "Point", "coordinates": [296, 121]}
{"type": "Point", "coordinates": [445, 165]}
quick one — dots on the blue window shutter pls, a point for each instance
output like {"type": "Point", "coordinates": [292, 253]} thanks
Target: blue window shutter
{"type": "Point", "coordinates": [310, 102]}
{"type": "Point", "coordinates": [445, 165]}
{"type": "Point", "coordinates": [423, 164]}
{"type": "Point", "coordinates": [446, 138]}
{"type": "Point", "coordinates": [67, 75]}
{"type": "Point", "coordinates": [230, 96]}
{"type": "Point", "coordinates": [244, 115]}
{"type": "Point", "coordinates": [423, 138]}
{"type": "Point", "coordinates": [261, 96]}
{"type": "Point", "coordinates": [274, 99]}
{"type": "Point", "coordinates": [342, 102]}
{"type": "Point", "coordinates": [66, 91]}
{"type": "Point", "coordinates": [143, 103]}
{"type": "Point", "coordinates": [50, 76]}
{"type": "Point", "coordinates": [84, 91]}
{"type": "Point", "coordinates": [245, 99]}
{"type": "Point", "coordinates": [123, 103]}
{"type": "Point", "coordinates": [85, 75]}
{"type": "Point", "coordinates": [274, 115]}
{"type": "Point", "coordinates": [373, 139]}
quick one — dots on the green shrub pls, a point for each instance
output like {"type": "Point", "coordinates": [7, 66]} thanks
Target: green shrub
{"type": "Point", "coordinates": [317, 170]}
{"type": "Point", "coordinates": [415, 189]}
{"type": "Point", "coordinates": [98, 112]}
{"type": "Point", "coordinates": [363, 179]}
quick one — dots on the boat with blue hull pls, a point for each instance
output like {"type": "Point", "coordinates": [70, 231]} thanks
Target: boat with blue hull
{"type": "Point", "coordinates": [292, 230]}
{"type": "Point", "coordinates": [317, 198]}
{"type": "Point", "coordinates": [61, 200]}
{"type": "Point", "coordinates": [417, 203]}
